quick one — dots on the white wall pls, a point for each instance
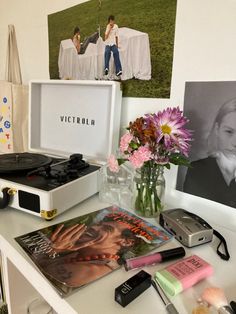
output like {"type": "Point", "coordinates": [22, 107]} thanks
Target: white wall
{"type": "Point", "coordinates": [205, 45]}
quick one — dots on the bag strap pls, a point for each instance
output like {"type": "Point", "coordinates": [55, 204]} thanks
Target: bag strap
{"type": "Point", "coordinates": [225, 256]}
{"type": "Point", "coordinates": [13, 70]}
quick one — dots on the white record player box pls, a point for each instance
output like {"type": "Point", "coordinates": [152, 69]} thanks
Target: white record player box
{"type": "Point", "coordinates": [68, 117]}
{"type": "Point", "coordinates": [75, 116]}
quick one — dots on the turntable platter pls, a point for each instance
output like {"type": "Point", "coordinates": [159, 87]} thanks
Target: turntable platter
{"type": "Point", "coordinates": [22, 161]}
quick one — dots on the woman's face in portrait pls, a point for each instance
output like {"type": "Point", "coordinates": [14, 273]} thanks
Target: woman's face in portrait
{"type": "Point", "coordinates": [226, 134]}
{"type": "Point", "coordinates": [105, 236]}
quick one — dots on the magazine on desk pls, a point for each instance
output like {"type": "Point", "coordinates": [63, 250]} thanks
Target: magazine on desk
{"type": "Point", "coordinates": [80, 250]}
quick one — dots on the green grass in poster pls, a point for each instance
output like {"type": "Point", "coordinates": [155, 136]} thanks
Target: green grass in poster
{"type": "Point", "coordinates": [155, 17]}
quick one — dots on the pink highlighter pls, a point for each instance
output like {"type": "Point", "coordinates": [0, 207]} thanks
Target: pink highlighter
{"type": "Point", "coordinates": [183, 274]}
{"type": "Point", "coordinates": [154, 258]}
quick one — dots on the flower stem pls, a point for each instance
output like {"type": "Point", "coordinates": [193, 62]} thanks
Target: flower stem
{"type": "Point", "coordinates": [148, 202]}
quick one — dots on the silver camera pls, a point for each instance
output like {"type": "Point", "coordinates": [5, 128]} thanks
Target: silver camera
{"type": "Point", "coordinates": [188, 228]}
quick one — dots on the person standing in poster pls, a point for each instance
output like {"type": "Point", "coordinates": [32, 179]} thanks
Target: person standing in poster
{"type": "Point", "coordinates": [214, 177]}
{"type": "Point", "coordinates": [111, 41]}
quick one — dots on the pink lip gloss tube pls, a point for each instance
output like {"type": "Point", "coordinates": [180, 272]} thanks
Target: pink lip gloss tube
{"type": "Point", "coordinates": [154, 258]}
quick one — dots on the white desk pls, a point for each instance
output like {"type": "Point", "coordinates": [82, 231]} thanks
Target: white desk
{"type": "Point", "coordinates": [134, 55]}
{"type": "Point", "coordinates": [24, 280]}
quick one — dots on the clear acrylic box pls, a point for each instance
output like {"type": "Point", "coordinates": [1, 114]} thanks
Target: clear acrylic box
{"type": "Point", "coordinates": [117, 188]}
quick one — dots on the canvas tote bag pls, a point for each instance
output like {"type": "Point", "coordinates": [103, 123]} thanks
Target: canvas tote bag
{"type": "Point", "coordinates": [13, 102]}
{"type": "Point", "coordinates": [6, 135]}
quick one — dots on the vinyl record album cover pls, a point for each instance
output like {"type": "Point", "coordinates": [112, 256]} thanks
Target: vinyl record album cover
{"type": "Point", "coordinates": [78, 251]}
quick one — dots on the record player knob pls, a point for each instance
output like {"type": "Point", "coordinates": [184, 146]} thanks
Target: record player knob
{"type": "Point", "coordinates": [76, 158]}
{"type": "Point", "coordinates": [73, 173]}
{"type": "Point", "coordinates": [62, 177]}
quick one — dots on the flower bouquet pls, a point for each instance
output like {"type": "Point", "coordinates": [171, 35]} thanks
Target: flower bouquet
{"type": "Point", "coordinates": [151, 144]}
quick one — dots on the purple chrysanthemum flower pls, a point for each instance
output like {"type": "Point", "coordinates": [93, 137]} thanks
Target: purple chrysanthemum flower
{"type": "Point", "coordinates": [169, 130]}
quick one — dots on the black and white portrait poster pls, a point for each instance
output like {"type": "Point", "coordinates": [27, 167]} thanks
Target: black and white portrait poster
{"type": "Point", "coordinates": [211, 109]}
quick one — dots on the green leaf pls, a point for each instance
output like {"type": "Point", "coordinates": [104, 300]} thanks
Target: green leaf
{"type": "Point", "coordinates": [133, 145]}
{"type": "Point", "coordinates": [178, 159]}
{"type": "Point", "coordinates": [121, 161]}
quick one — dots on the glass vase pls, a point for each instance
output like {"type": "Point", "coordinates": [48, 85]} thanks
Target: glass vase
{"type": "Point", "coordinates": [149, 190]}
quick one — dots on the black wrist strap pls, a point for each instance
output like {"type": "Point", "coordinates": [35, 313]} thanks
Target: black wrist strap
{"type": "Point", "coordinates": [225, 256]}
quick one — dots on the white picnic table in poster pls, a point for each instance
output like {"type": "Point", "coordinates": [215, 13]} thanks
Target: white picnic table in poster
{"type": "Point", "coordinates": [134, 51]}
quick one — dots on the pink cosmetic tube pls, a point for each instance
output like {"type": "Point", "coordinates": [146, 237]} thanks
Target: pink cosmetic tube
{"type": "Point", "coordinates": [154, 258]}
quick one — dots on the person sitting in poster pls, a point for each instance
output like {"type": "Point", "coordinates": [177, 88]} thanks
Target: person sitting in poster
{"type": "Point", "coordinates": [76, 39]}
{"type": "Point", "coordinates": [214, 177]}
{"type": "Point", "coordinates": [111, 41]}
{"type": "Point", "coordinates": [82, 46]}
